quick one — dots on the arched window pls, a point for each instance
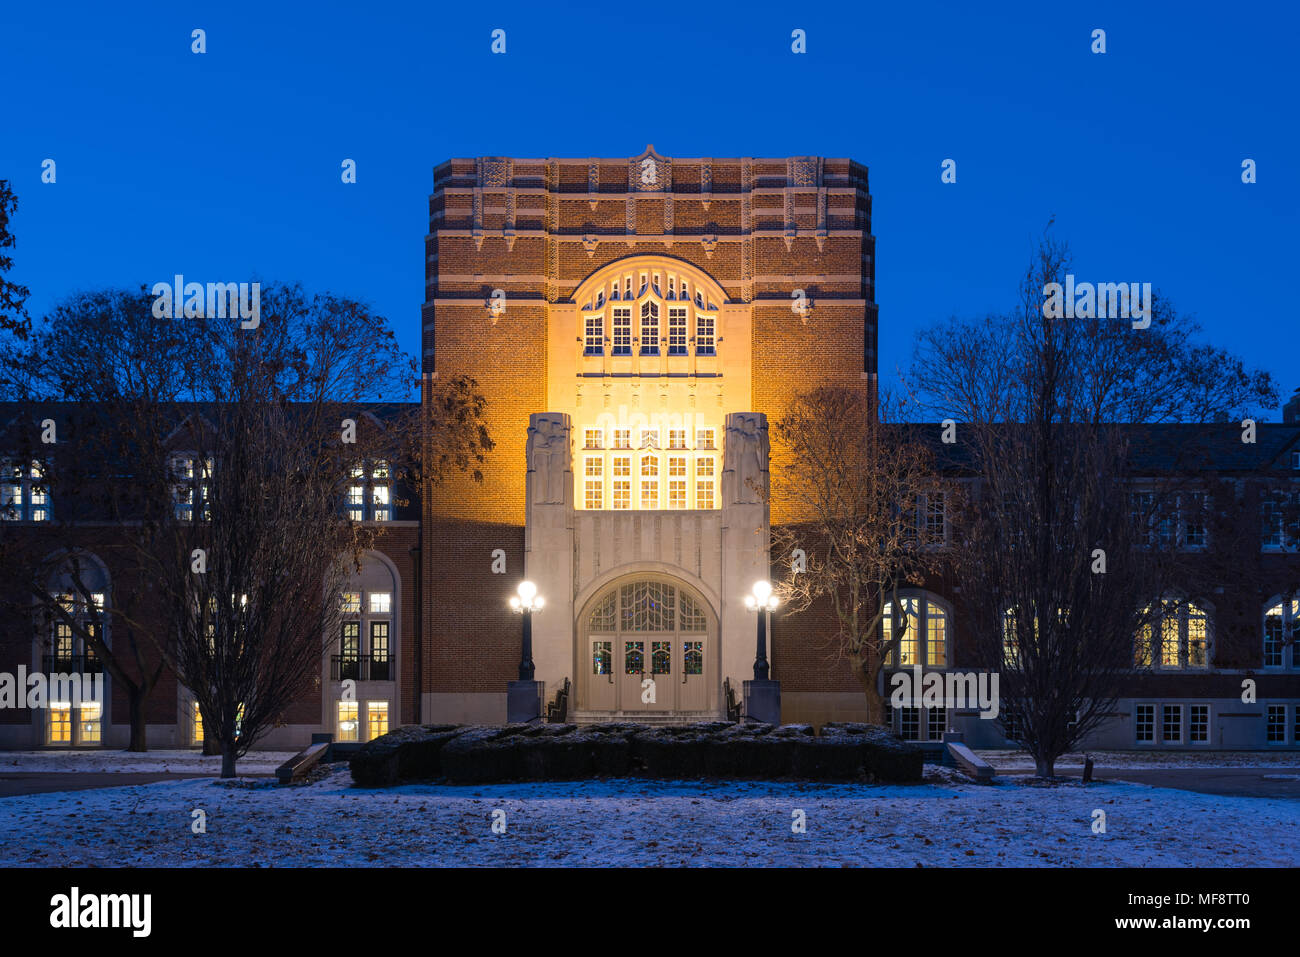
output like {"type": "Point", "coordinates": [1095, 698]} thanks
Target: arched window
{"type": "Point", "coordinates": [924, 639]}
{"type": "Point", "coordinates": [1282, 633]}
{"type": "Point", "coordinates": [1177, 637]}
{"type": "Point", "coordinates": [631, 306]}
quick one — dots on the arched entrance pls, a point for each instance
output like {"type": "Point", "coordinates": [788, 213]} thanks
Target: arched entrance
{"type": "Point", "coordinates": [646, 644]}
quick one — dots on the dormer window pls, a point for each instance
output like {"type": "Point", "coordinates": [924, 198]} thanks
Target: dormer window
{"type": "Point", "coordinates": [24, 494]}
{"type": "Point", "coordinates": [369, 492]}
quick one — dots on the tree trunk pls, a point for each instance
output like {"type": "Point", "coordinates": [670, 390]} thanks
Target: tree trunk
{"type": "Point", "coordinates": [211, 746]}
{"type": "Point", "coordinates": [135, 705]}
{"type": "Point", "coordinates": [1044, 767]}
{"type": "Point", "coordinates": [227, 759]}
{"type": "Point", "coordinates": [875, 702]}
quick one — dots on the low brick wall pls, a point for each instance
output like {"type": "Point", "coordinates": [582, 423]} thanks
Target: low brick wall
{"type": "Point", "coordinates": [565, 752]}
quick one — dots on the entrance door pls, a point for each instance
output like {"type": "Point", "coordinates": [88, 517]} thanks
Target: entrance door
{"type": "Point", "coordinates": [602, 693]}
{"type": "Point", "coordinates": [694, 695]}
{"type": "Point", "coordinates": [645, 648]}
{"type": "Point", "coordinates": [632, 672]}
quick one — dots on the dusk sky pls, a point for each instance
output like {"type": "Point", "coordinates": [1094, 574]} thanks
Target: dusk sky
{"type": "Point", "coordinates": [225, 166]}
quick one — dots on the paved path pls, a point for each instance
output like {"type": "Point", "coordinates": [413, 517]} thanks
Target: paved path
{"type": "Point", "coordinates": [41, 782]}
{"type": "Point", "coordinates": [1269, 782]}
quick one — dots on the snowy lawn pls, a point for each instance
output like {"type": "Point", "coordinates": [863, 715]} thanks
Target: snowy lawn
{"type": "Point", "coordinates": [160, 762]}
{"type": "Point", "coordinates": [1021, 760]}
{"type": "Point", "coordinates": [636, 822]}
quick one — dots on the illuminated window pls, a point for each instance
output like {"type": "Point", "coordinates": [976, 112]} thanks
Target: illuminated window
{"type": "Point", "coordinates": [377, 718]}
{"type": "Point", "coordinates": [925, 638]}
{"type": "Point", "coordinates": [60, 722]}
{"type": "Point", "coordinates": [196, 723]}
{"type": "Point", "coordinates": [622, 331]}
{"type": "Point", "coordinates": [677, 331]}
{"type": "Point", "coordinates": [591, 438]}
{"type": "Point", "coordinates": [594, 487]}
{"type": "Point", "coordinates": [677, 438]}
{"type": "Point", "coordinates": [622, 487]}
{"type": "Point", "coordinates": [1183, 642]}
{"type": "Point", "coordinates": [376, 479]}
{"type": "Point", "coordinates": [381, 602]}
{"type": "Point", "coordinates": [349, 725]}
{"type": "Point", "coordinates": [704, 439]}
{"type": "Point", "coordinates": [649, 482]}
{"type": "Point", "coordinates": [351, 602]}
{"type": "Point", "coordinates": [649, 438]}
{"type": "Point", "coordinates": [677, 481]}
{"type": "Point", "coordinates": [594, 340]}
{"type": "Point", "coordinates": [602, 658]}
{"type": "Point", "coordinates": [704, 479]}
{"type": "Point", "coordinates": [704, 341]}
{"type": "Point", "coordinates": [89, 719]}
{"type": "Point", "coordinates": [622, 438]}
{"type": "Point", "coordinates": [24, 493]}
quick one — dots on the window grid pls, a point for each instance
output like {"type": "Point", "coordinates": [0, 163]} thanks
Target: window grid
{"type": "Point", "coordinates": [1198, 724]}
{"type": "Point", "coordinates": [1144, 723]}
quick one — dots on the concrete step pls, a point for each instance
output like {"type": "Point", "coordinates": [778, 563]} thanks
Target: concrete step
{"type": "Point", "coordinates": [657, 718]}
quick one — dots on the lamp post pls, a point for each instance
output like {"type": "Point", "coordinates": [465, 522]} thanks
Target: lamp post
{"type": "Point", "coordinates": [524, 602]}
{"type": "Point", "coordinates": [763, 602]}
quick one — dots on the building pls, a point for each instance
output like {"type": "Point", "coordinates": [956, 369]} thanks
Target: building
{"type": "Point", "coordinates": [634, 324]}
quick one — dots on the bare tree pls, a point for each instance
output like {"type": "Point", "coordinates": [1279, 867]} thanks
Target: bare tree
{"type": "Point", "coordinates": [852, 484]}
{"type": "Point", "coordinates": [1063, 543]}
{"type": "Point", "coordinates": [219, 454]}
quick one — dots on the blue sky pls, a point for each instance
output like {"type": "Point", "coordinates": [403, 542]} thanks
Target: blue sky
{"type": "Point", "coordinates": [226, 165]}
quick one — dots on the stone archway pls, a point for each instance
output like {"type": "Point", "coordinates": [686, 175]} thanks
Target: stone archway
{"type": "Point", "coordinates": [647, 645]}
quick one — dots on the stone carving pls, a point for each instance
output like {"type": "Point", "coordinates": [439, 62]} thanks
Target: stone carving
{"type": "Point", "coordinates": [803, 171]}
{"type": "Point", "coordinates": [593, 182]}
{"type": "Point", "coordinates": [649, 173]}
{"type": "Point", "coordinates": [706, 182]}
{"type": "Point", "coordinates": [548, 457]}
{"type": "Point", "coordinates": [709, 243]}
{"type": "Point", "coordinates": [589, 243]}
{"type": "Point", "coordinates": [745, 457]}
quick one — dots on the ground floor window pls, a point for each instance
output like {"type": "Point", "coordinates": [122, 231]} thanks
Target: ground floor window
{"type": "Point", "coordinates": [60, 722]}
{"type": "Point", "coordinates": [349, 725]}
{"type": "Point", "coordinates": [90, 722]}
{"type": "Point", "coordinates": [1198, 725]}
{"type": "Point", "coordinates": [938, 723]}
{"type": "Point", "coordinates": [377, 718]}
{"type": "Point", "coordinates": [1171, 725]}
{"type": "Point", "coordinates": [196, 723]}
{"type": "Point", "coordinates": [1275, 732]}
{"type": "Point", "coordinates": [1144, 723]}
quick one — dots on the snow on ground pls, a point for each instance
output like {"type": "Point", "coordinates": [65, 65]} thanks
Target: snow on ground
{"type": "Point", "coordinates": [646, 823]}
{"type": "Point", "coordinates": [160, 762]}
{"type": "Point", "coordinates": [1022, 760]}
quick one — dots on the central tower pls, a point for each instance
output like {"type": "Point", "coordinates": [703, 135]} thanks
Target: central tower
{"type": "Point", "coordinates": [631, 322]}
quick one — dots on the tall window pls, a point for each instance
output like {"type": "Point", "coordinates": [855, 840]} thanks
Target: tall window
{"type": "Point", "coordinates": [24, 496]}
{"type": "Point", "coordinates": [376, 719]}
{"type": "Point", "coordinates": [649, 482]}
{"type": "Point", "coordinates": [924, 640]}
{"type": "Point", "coordinates": [365, 650]}
{"type": "Point", "coordinates": [370, 492]}
{"type": "Point", "coordinates": [594, 479]}
{"type": "Point", "coordinates": [622, 331]}
{"type": "Point", "coordinates": [1177, 637]}
{"type": "Point", "coordinates": [677, 481]}
{"type": "Point", "coordinates": [704, 482]}
{"type": "Point", "coordinates": [1280, 518]}
{"type": "Point", "coordinates": [649, 328]}
{"type": "Point", "coordinates": [704, 338]}
{"type": "Point", "coordinates": [622, 486]}
{"type": "Point", "coordinates": [1282, 634]}
{"type": "Point", "coordinates": [677, 331]}
{"type": "Point", "coordinates": [594, 338]}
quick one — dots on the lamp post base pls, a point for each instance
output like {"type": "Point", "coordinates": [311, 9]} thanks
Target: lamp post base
{"type": "Point", "coordinates": [524, 701]}
{"type": "Point", "coordinates": [763, 701]}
